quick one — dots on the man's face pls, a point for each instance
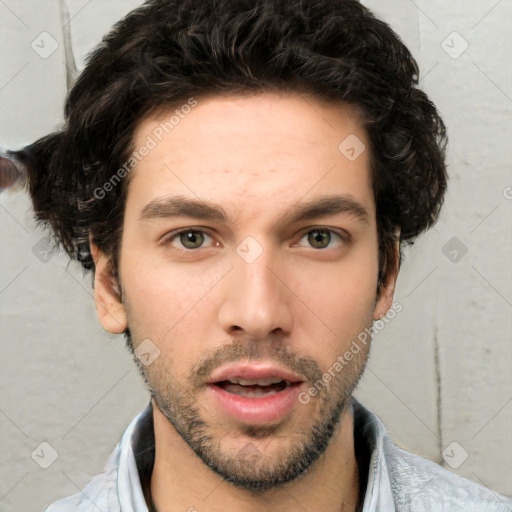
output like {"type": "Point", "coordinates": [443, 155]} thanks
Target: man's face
{"type": "Point", "coordinates": [249, 258]}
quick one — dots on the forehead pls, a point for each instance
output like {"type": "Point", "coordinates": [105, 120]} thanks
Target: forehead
{"type": "Point", "coordinates": [252, 153]}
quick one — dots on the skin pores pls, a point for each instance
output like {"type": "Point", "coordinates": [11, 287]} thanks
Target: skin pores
{"type": "Point", "coordinates": [218, 270]}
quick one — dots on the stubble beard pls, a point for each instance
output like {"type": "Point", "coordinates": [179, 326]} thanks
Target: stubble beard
{"type": "Point", "coordinates": [247, 467]}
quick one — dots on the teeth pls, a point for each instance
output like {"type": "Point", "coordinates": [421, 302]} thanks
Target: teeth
{"type": "Point", "coordinates": [258, 382]}
{"type": "Point", "coordinates": [250, 392]}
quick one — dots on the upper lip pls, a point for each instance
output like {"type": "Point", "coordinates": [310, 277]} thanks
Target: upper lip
{"type": "Point", "coordinates": [252, 372]}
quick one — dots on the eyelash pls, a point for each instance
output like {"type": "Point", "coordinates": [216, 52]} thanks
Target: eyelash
{"type": "Point", "coordinates": [173, 235]}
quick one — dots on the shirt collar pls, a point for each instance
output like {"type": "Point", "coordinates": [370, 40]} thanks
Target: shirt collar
{"type": "Point", "coordinates": [379, 495]}
{"type": "Point", "coordinates": [131, 497]}
{"type": "Point", "coordinates": [139, 437]}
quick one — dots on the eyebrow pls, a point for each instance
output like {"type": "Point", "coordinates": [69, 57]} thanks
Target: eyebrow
{"type": "Point", "coordinates": [181, 206]}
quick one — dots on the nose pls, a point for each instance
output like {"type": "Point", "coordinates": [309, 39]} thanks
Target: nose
{"type": "Point", "coordinates": [255, 301]}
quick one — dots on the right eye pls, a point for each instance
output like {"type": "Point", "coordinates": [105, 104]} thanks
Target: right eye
{"type": "Point", "coordinates": [188, 239]}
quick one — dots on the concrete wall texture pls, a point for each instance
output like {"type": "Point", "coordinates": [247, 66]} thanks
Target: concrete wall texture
{"type": "Point", "coordinates": [440, 373]}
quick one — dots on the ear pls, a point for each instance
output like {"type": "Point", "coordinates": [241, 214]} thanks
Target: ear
{"type": "Point", "coordinates": [387, 286]}
{"type": "Point", "coordinates": [107, 296]}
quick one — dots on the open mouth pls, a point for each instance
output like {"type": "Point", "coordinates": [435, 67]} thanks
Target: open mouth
{"type": "Point", "coordinates": [254, 388]}
{"type": "Point", "coordinates": [255, 393]}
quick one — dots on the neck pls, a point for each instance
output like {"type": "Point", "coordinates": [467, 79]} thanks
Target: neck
{"type": "Point", "coordinates": [181, 481]}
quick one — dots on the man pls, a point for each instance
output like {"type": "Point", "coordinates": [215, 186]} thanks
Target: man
{"type": "Point", "coordinates": [240, 177]}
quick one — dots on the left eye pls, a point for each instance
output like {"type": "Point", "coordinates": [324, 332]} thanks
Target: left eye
{"type": "Point", "coordinates": [321, 238]}
{"type": "Point", "coordinates": [190, 239]}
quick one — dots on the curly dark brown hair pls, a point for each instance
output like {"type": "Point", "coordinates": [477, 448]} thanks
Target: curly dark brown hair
{"type": "Point", "coordinates": [167, 51]}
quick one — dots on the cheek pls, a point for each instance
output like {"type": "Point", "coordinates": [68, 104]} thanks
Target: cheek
{"type": "Point", "coordinates": [344, 286]}
{"type": "Point", "coordinates": [167, 302]}
{"type": "Point", "coordinates": [174, 311]}
{"type": "Point", "coordinates": [334, 303]}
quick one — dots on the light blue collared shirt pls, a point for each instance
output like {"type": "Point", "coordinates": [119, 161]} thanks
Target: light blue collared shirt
{"type": "Point", "coordinates": [398, 481]}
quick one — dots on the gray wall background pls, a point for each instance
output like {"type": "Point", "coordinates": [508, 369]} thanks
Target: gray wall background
{"type": "Point", "coordinates": [439, 374]}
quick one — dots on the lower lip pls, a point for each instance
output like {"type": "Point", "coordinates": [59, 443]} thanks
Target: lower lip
{"type": "Point", "coordinates": [256, 409]}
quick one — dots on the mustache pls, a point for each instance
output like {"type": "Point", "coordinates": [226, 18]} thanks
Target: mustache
{"type": "Point", "coordinates": [254, 351]}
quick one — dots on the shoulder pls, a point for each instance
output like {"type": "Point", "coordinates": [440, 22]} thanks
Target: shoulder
{"type": "Point", "coordinates": [419, 485]}
{"type": "Point", "coordinates": [100, 495]}
{"type": "Point", "coordinates": [103, 492]}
